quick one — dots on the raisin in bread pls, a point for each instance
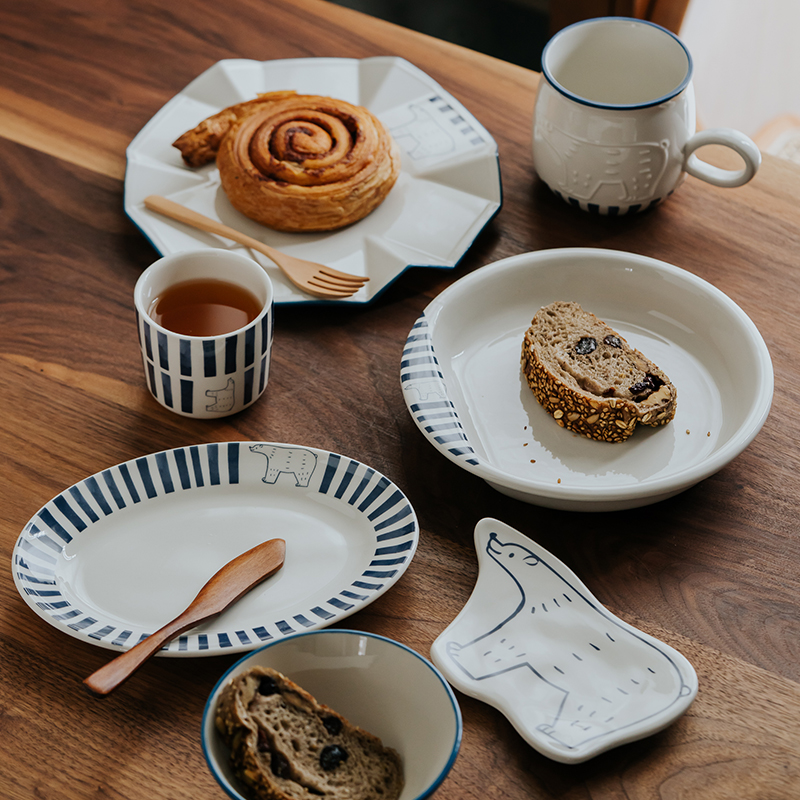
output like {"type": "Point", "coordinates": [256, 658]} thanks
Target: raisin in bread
{"type": "Point", "coordinates": [286, 746]}
{"type": "Point", "coordinates": [589, 378]}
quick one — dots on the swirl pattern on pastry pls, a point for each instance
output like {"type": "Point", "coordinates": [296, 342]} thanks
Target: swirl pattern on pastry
{"type": "Point", "coordinates": [297, 162]}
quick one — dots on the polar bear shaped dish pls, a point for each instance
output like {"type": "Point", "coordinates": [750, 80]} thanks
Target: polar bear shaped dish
{"type": "Point", "coordinates": [572, 678]}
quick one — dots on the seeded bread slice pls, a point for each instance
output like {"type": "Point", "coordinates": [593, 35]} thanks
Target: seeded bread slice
{"type": "Point", "coordinates": [286, 746]}
{"type": "Point", "coordinates": [589, 378]}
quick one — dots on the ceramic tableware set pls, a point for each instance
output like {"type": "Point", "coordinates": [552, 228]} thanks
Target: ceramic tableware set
{"type": "Point", "coordinates": [613, 134]}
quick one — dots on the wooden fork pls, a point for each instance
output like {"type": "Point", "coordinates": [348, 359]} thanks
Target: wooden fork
{"type": "Point", "coordinates": [314, 279]}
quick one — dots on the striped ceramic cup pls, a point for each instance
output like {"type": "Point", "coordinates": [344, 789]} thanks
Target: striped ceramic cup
{"type": "Point", "coordinates": [205, 376]}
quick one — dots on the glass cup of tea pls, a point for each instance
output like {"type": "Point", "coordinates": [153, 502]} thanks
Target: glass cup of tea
{"type": "Point", "coordinates": [205, 323]}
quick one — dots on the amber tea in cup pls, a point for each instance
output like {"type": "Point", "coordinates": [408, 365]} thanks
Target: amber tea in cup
{"type": "Point", "coordinates": [205, 307]}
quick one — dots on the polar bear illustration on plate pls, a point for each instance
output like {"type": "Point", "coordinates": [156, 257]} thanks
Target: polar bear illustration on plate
{"type": "Point", "coordinates": [295, 461]}
{"type": "Point", "coordinates": [598, 675]}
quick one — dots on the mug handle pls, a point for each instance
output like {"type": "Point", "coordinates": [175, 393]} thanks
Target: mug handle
{"type": "Point", "coordinates": [728, 137]}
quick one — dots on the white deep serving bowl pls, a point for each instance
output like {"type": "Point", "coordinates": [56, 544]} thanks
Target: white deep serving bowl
{"type": "Point", "coordinates": [376, 683]}
{"type": "Point", "coordinates": [463, 385]}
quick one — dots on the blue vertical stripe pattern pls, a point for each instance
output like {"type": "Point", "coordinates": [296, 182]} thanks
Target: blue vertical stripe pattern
{"type": "Point", "coordinates": [190, 374]}
{"type": "Point", "coordinates": [383, 508]}
{"type": "Point", "coordinates": [426, 396]}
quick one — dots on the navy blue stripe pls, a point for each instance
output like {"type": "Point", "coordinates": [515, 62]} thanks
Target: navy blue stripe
{"type": "Point", "coordinates": [122, 638]}
{"type": "Point", "coordinates": [230, 354]}
{"type": "Point", "coordinates": [84, 623]}
{"type": "Point", "coordinates": [404, 531]}
{"type": "Point", "coordinates": [84, 505]}
{"type": "Point", "coordinates": [164, 472]}
{"type": "Point", "coordinates": [250, 346]}
{"type": "Point", "coordinates": [322, 613]}
{"type": "Point", "coordinates": [373, 573]}
{"type": "Point", "coordinates": [265, 326]}
{"type": "Point", "coordinates": [262, 378]}
{"type": "Point", "coordinates": [377, 491]}
{"type": "Point", "coordinates": [248, 386]}
{"type": "Point", "coordinates": [187, 396]}
{"type": "Point", "coordinates": [243, 637]}
{"type": "Point", "coordinates": [166, 385]}
{"type": "Point", "coordinates": [102, 632]}
{"type": "Point", "coordinates": [163, 349]}
{"type": "Point", "coordinates": [387, 562]}
{"type": "Point", "coordinates": [183, 644]}
{"type": "Point", "coordinates": [395, 548]}
{"type": "Point", "coordinates": [361, 486]}
{"type": "Point", "coordinates": [414, 362]}
{"type": "Point", "coordinates": [330, 471]}
{"type": "Point", "coordinates": [198, 467]}
{"type": "Point", "coordinates": [304, 621]}
{"type": "Point", "coordinates": [431, 405]}
{"type": "Point", "coordinates": [369, 586]}
{"type": "Point", "coordinates": [66, 509]}
{"type": "Point", "coordinates": [417, 374]}
{"type": "Point", "coordinates": [148, 342]}
{"type": "Point", "coordinates": [262, 633]}
{"type": "Point", "coordinates": [352, 467]}
{"type": "Point", "coordinates": [183, 469]}
{"type": "Point", "coordinates": [335, 601]}
{"type": "Point", "coordinates": [113, 488]}
{"type": "Point", "coordinates": [144, 472]}
{"type": "Point", "coordinates": [233, 462]}
{"type": "Point", "coordinates": [202, 641]}
{"type": "Point", "coordinates": [209, 359]}
{"type": "Point", "coordinates": [353, 595]}
{"type": "Point", "coordinates": [213, 464]}
{"type": "Point", "coordinates": [401, 514]}
{"type": "Point", "coordinates": [284, 627]}
{"type": "Point", "coordinates": [223, 639]}
{"type": "Point", "coordinates": [151, 376]}
{"type": "Point", "coordinates": [185, 349]}
{"type": "Point", "coordinates": [396, 497]}
{"type": "Point", "coordinates": [67, 615]}
{"type": "Point", "coordinates": [126, 476]}
{"type": "Point", "coordinates": [97, 494]}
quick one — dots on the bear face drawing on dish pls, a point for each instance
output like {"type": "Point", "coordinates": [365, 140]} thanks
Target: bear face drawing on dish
{"type": "Point", "coordinates": [598, 675]}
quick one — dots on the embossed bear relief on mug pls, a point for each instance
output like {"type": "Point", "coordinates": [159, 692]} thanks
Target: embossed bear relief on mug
{"type": "Point", "coordinates": [614, 127]}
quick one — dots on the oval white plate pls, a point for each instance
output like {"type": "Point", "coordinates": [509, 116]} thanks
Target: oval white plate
{"type": "Point", "coordinates": [464, 388]}
{"type": "Point", "coordinates": [116, 556]}
{"type": "Point", "coordinates": [448, 189]}
{"type": "Point", "coordinates": [573, 679]}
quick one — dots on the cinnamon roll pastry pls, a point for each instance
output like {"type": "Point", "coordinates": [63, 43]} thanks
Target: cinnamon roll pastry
{"type": "Point", "coordinates": [297, 162]}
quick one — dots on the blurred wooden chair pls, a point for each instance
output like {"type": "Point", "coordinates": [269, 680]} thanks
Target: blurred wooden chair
{"type": "Point", "coordinates": [667, 13]}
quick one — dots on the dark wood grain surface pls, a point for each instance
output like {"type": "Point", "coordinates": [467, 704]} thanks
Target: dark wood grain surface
{"type": "Point", "coordinates": [712, 571]}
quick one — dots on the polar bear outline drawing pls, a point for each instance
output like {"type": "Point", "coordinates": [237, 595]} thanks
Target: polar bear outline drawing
{"type": "Point", "coordinates": [592, 675]}
{"type": "Point", "coordinates": [295, 461]}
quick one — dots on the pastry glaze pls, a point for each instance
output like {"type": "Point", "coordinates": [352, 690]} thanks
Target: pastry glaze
{"type": "Point", "coordinates": [297, 162]}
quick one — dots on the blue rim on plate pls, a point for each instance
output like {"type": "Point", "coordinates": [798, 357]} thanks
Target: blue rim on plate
{"type": "Point", "coordinates": [449, 186]}
{"type": "Point", "coordinates": [119, 554]}
{"type": "Point", "coordinates": [207, 724]}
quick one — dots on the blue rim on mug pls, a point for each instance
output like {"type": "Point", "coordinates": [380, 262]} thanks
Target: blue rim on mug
{"type": "Point", "coordinates": [616, 106]}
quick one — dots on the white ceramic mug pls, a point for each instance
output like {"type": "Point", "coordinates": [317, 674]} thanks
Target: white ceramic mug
{"type": "Point", "coordinates": [614, 121]}
{"type": "Point", "coordinates": [205, 376]}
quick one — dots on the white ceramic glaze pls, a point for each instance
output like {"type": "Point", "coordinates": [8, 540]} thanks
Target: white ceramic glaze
{"type": "Point", "coordinates": [614, 119]}
{"type": "Point", "coordinates": [464, 387]}
{"type": "Point", "coordinates": [448, 189]}
{"type": "Point", "coordinates": [572, 678]}
{"type": "Point", "coordinates": [379, 684]}
{"type": "Point", "coordinates": [119, 554]}
{"type": "Point", "coordinates": [205, 377]}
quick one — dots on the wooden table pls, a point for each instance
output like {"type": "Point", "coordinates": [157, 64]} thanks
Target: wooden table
{"type": "Point", "coordinates": [713, 571]}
